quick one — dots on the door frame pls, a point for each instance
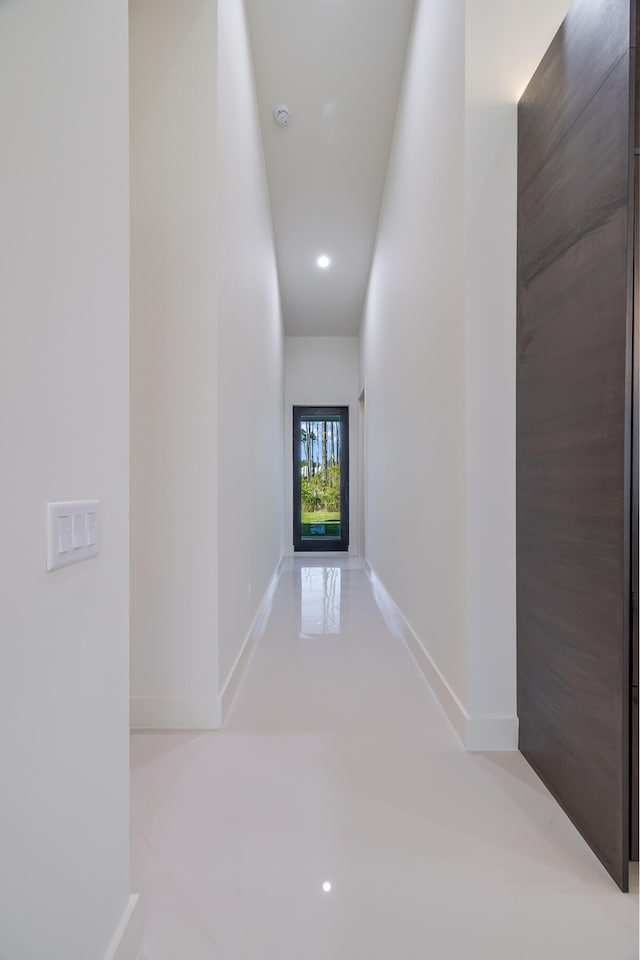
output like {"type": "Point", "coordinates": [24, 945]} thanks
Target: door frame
{"type": "Point", "coordinates": [340, 545]}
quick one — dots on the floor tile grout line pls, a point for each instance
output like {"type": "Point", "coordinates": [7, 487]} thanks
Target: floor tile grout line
{"type": "Point", "coordinates": [191, 909]}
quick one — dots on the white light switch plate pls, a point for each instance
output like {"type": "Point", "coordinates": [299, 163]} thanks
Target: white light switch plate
{"type": "Point", "coordinates": [73, 532]}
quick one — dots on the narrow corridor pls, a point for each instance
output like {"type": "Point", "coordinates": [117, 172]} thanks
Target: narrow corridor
{"type": "Point", "coordinates": [337, 816]}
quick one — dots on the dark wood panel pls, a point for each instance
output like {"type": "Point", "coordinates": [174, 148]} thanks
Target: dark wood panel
{"type": "Point", "coordinates": [571, 518]}
{"type": "Point", "coordinates": [583, 182]}
{"type": "Point", "coordinates": [634, 778]}
{"type": "Point", "coordinates": [633, 773]}
{"type": "Point", "coordinates": [593, 37]}
{"type": "Point", "coordinates": [635, 558]}
{"type": "Point", "coordinates": [635, 28]}
{"type": "Point", "coordinates": [573, 427]}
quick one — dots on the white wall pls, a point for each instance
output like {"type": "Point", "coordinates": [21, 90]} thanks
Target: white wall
{"type": "Point", "coordinates": [207, 380]}
{"type": "Point", "coordinates": [322, 371]}
{"type": "Point", "coordinates": [174, 398]}
{"type": "Point", "coordinates": [439, 352]}
{"type": "Point", "coordinates": [413, 360]}
{"type": "Point", "coordinates": [250, 373]}
{"type": "Point", "coordinates": [64, 304]}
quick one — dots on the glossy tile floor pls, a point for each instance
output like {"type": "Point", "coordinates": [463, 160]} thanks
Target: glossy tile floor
{"type": "Point", "coordinates": [337, 816]}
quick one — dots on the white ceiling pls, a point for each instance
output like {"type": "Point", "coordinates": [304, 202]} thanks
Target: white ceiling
{"type": "Point", "coordinates": [338, 66]}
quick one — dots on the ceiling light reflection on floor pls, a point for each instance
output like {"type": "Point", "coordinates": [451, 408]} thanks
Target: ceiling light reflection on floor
{"type": "Point", "coordinates": [320, 599]}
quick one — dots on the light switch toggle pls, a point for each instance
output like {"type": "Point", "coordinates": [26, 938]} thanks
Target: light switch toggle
{"type": "Point", "coordinates": [92, 529]}
{"type": "Point", "coordinates": [64, 534]}
{"type": "Point", "coordinates": [78, 531]}
{"type": "Point", "coordinates": [73, 529]}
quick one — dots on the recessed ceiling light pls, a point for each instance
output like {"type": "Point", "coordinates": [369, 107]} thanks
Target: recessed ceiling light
{"type": "Point", "coordinates": [326, 886]}
{"type": "Point", "coordinates": [323, 261]}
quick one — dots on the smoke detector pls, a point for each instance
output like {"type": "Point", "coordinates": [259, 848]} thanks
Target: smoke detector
{"type": "Point", "coordinates": [282, 115]}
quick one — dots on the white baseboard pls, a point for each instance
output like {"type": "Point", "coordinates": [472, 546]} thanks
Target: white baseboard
{"type": "Point", "coordinates": [399, 626]}
{"type": "Point", "coordinates": [203, 713]}
{"type": "Point", "coordinates": [231, 684]}
{"type": "Point", "coordinates": [175, 713]}
{"type": "Point", "coordinates": [477, 733]}
{"type": "Point", "coordinates": [487, 734]}
{"type": "Point", "coordinates": [127, 940]}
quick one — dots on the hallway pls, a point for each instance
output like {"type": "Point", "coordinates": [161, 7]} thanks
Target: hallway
{"type": "Point", "coordinates": [337, 766]}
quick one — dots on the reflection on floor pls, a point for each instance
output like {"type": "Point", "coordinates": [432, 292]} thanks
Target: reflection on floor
{"type": "Point", "coordinates": [337, 817]}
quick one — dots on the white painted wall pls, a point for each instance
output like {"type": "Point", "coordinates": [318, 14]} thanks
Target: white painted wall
{"type": "Point", "coordinates": [250, 357]}
{"type": "Point", "coordinates": [174, 394]}
{"type": "Point", "coordinates": [207, 367]}
{"type": "Point", "coordinates": [439, 351]}
{"type": "Point", "coordinates": [413, 352]}
{"type": "Point", "coordinates": [64, 304]}
{"type": "Point", "coordinates": [322, 371]}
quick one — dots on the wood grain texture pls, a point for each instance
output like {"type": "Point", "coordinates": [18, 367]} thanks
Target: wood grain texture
{"type": "Point", "coordinates": [591, 40]}
{"type": "Point", "coordinates": [635, 28]}
{"type": "Point", "coordinates": [634, 780]}
{"type": "Point", "coordinates": [633, 773]}
{"type": "Point", "coordinates": [573, 427]}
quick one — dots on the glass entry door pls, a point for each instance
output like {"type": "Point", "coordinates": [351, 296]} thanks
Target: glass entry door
{"type": "Point", "coordinates": [321, 478]}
